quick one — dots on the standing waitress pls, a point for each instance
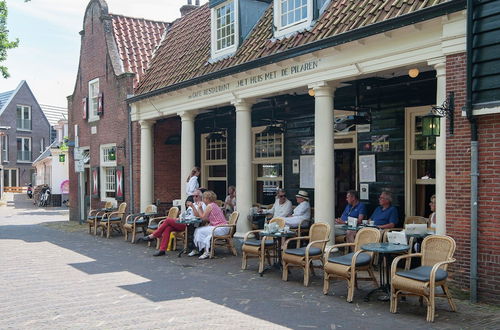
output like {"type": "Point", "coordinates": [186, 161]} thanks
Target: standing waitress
{"type": "Point", "coordinates": [192, 181]}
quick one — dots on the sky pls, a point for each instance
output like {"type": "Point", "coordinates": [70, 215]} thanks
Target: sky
{"type": "Point", "coordinates": [49, 41]}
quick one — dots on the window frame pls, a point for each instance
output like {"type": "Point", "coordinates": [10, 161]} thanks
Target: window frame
{"type": "Point", "coordinates": [5, 148]}
{"type": "Point", "coordinates": [29, 149]}
{"type": "Point", "coordinates": [104, 166]}
{"type": "Point", "coordinates": [256, 161]}
{"type": "Point", "coordinates": [23, 107]}
{"type": "Point", "coordinates": [206, 163]}
{"type": "Point", "coordinates": [282, 31]}
{"type": "Point", "coordinates": [93, 108]}
{"type": "Point", "coordinates": [218, 53]}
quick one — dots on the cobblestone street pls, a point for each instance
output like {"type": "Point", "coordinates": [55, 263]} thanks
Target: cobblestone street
{"type": "Point", "coordinates": [54, 275]}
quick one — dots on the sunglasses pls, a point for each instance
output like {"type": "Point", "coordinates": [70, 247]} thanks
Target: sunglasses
{"type": "Point", "coordinates": [281, 196]}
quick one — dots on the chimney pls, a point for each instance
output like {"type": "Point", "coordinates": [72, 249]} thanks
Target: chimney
{"type": "Point", "coordinates": [189, 7]}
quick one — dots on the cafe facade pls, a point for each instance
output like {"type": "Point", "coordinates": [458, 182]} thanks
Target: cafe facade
{"type": "Point", "coordinates": [325, 99]}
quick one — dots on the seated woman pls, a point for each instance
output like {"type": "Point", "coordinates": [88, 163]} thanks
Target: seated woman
{"type": "Point", "coordinates": [432, 217]}
{"type": "Point", "coordinates": [230, 202]}
{"type": "Point", "coordinates": [301, 212]}
{"type": "Point", "coordinates": [170, 225]}
{"type": "Point", "coordinates": [213, 216]}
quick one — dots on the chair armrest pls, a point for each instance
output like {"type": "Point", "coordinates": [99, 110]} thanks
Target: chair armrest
{"type": "Point", "coordinates": [314, 242]}
{"type": "Point", "coordinates": [285, 246]}
{"type": "Point", "coordinates": [387, 230]}
{"type": "Point", "coordinates": [115, 213]}
{"type": "Point", "coordinates": [404, 256]}
{"type": "Point", "coordinates": [222, 226]}
{"type": "Point", "coordinates": [436, 267]}
{"type": "Point", "coordinates": [329, 251]}
{"type": "Point", "coordinates": [245, 238]}
{"type": "Point", "coordinates": [157, 219]}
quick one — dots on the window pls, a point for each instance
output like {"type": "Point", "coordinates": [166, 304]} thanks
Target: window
{"type": "Point", "coordinates": [224, 29]}
{"type": "Point", "coordinates": [42, 145]}
{"type": "Point", "coordinates": [5, 148]}
{"type": "Point", "coordinates": [292, 15]}
{"type": "Point", "coordinates": [24, 149]}
{"type": "Point", "coordinates": [268, 165]}
{"type": "Point", "coordinates": [93, 99]}
{"type": "Point", "coordinates": [23, 117]}
{"type": "Point", "coordinates": [108, 171]}
{"type": "Point", "coordinates": [420, 169]}
{"type": "Point", "coordinates": [214, 164]}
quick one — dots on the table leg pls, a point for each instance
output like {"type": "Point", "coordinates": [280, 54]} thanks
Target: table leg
{"type": "Point", "coordinates": [382, 264]}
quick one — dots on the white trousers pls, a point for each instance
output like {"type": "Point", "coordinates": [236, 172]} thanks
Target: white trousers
{"type": "Point", "coordinates": [203, 236]}
{"type": "Point", "coordinates": [293, 222]}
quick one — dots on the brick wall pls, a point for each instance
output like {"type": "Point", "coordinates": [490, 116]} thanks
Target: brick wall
{"type": "Point", "coordinates": [458, 190]}
{"type": "Point", "coordinates": [167, 161]}
{"type": "Point", "coordinates": [112, 125]}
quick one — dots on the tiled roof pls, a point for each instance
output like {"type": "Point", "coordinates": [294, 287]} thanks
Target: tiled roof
{"type": "Point", "coordinates": [185, 52]}
{"type": "Point", "coordinates": [4, 98]}
{"type": "Point", "coordinates": [54, 113]}
{"type": "Point", "coordinates": [136, 39]}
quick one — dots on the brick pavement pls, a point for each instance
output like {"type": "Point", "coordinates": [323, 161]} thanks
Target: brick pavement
{"type": "Point", "coordinates": [56, 279]}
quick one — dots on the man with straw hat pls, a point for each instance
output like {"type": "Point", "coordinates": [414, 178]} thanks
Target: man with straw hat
{"type": "Point", "coordinates": [301, 212]}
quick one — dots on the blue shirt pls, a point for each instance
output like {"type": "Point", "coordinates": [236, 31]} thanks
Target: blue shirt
{"type": "Point", "coordinates": [383, 217]}
{"type": "Point", "coordinates": [353, 211]}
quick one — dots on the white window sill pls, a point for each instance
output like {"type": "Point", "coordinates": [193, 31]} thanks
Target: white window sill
{"type": "Point", "coordinates": [93, 119]}
{"type": "Point", "coordinates": [24, 130]}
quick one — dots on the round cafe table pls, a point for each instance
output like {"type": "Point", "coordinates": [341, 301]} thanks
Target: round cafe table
{"type": "Point", "coordinates": [385, 250]}
{"type": "Point", "coordinates": [279, 239]}
{"type": "Point", "coordinates": [191, 224]}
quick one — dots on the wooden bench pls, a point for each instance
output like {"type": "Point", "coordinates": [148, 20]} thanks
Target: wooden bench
{"type": "Point", "coordinates": [16, 190]}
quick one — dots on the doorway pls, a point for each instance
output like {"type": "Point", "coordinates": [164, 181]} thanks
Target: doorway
{"type": "Point", "coordinates": [345, 177]}
{"type": "Point", "coordinates": [10, 178]}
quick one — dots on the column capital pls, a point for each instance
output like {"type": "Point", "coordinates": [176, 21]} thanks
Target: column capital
{"type": "Point", "coordinates": [439, 64]}
{"type": "Point", "coordinates": [187, 115]}
{"type": "Point", "coordinates": [242, 104]}
{"type": "Point", "coordinates": [146, 124]}
{"type": "Point", "coordinates": [324, 88]}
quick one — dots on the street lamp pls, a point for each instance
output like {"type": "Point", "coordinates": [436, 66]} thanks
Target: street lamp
{"type": "Point", "coordinates": [431, 123]}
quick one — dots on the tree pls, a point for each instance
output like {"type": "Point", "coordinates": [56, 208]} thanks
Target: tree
{"type": "Point", "coordinates": [5, 44]}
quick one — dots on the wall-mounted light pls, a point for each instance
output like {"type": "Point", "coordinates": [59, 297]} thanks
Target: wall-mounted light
{"type": "Point", "coordinates": [413, 73]}
{"type": "Point", "coordinates": [311, 92]}
{"type": "Point", "coordinates": [62, 158]}
{"type": "Point", "coordinates": [431, 123]}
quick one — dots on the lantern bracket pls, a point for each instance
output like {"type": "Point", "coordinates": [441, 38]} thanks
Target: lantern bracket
{"type": "Point", "coordinates": [447, 109]}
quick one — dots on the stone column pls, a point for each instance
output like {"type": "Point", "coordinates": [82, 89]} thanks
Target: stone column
{"type": "Point", "coordinates": [244, 179]}
{"type": "Point", "coordinates": [146, 186]}
{"type": "Point", "coordinates": [440, 67]}
{"type": "Point", "coordinates": [324, 166]}
{"type": "Point", "coordinates": [187, 149]}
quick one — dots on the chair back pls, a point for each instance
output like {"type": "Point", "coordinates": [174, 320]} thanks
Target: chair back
{"type": "Point", "coordinates": [219, 202]}
{"type": "Point", "coordinates": [233, 220]}
{"type": "Point", "coordinates": [151, 208]}
{"type": "Point", "coordinates": [173, 213]}
{"type": "Point", "coordinates": [108, 205]}
{"type": "Point", "coordinates": [319, 231]}
{"type": "Point", "coordinates": [366, 236]}
{"type": "Point", "coordinates": [121, 209]}
{"type": "Point", "coordinates": [415, 219]}
{"type": "Point", "coordinates": [436, 248]}
{"type": "Point", "coordinates": [280, 221]}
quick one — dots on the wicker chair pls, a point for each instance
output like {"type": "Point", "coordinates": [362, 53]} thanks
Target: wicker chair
{"type": "Point", "coordinates": [155, 223]}
{"type": "Point", "coordinates": [94, 216]}
{"type": "Point", "coordinates": [225, 239]}
{"type": "Point", "coordinates": [133, 222]}
{"type": "Point", "coordinates": [113, 220]}
{"type": "Point", "coordinates": [319, 234]}
{"type": "Point", "coordinates": [416, 219]}
{"type": "Point", "coordinates": [261, 248]}
{"type": "Point", "coordinates": [437, 253]}
{"type": "Point", "coordinates": [348, 265]}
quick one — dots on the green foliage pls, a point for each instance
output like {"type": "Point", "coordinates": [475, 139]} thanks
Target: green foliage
{"type": "Point", "coordinates": [5, 44]}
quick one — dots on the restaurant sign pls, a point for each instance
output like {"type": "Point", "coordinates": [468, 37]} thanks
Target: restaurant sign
{"type": "Point", "coordinates": [257, 79]}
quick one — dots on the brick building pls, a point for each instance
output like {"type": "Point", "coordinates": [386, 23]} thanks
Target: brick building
{"type": "Point", "coordinates": [115, 52]}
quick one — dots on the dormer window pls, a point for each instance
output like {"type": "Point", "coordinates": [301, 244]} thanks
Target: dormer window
{"type": "Point", "coordinates": [224, 29]}
{"type": "Point", "coordinates": [291, 16]}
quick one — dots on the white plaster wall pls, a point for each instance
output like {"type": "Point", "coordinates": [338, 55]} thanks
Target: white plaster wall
{"type": "Point", "coordinates": [59, 173]}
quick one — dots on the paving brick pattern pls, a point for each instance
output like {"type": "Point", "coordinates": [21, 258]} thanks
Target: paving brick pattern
{"type": "Point", "coordinates": [52, 279]}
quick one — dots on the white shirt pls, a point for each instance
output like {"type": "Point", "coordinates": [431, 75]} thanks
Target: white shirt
{"type": "Point", "coordinates": [192, 185]}
{"type": "Point", "coordinates": [280, 210]}
{"type": "Point", "coordinates": [303, 210]}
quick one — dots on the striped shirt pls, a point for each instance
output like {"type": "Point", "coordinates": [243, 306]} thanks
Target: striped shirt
{"type": "Point", "coordinates": [216, 217]}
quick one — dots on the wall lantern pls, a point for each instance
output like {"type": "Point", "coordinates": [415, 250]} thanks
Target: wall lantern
{"type": "Point", "coordinates": [431, 122]}
{"type": "Point", "coordinates": [112, 154]}
{"type": "Point", "coordinates": [62, 158]}
{"type": "Point", "coordinates": [413, 73]}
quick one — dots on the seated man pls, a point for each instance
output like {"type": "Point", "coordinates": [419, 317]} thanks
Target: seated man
{"type": "Point", "coordinates": [385, 215]}
{"type": "Point", "coordinates": [302, 211]}
{"type": "Point", "coordinates": [355, 209]}
{"type": "Point", "coordinates": [282, 207]}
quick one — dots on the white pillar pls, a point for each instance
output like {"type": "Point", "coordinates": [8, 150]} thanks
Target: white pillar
{"type": "Point", "coordinates": [440, 67]}
{"type": "Point", "coordinates": [187, 149]}
{"type": "Point", "coordinates": [244, 180]}
{"type": "Point", "coordinates": [146, 185]}
{"type": "Point", "coordinates": [324, 166]}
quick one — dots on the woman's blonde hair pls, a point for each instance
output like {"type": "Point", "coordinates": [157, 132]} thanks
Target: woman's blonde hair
{"type": "Point", "coordinates": [210, 195]}
{"type": "Point", "coordinates": [195, 170]}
